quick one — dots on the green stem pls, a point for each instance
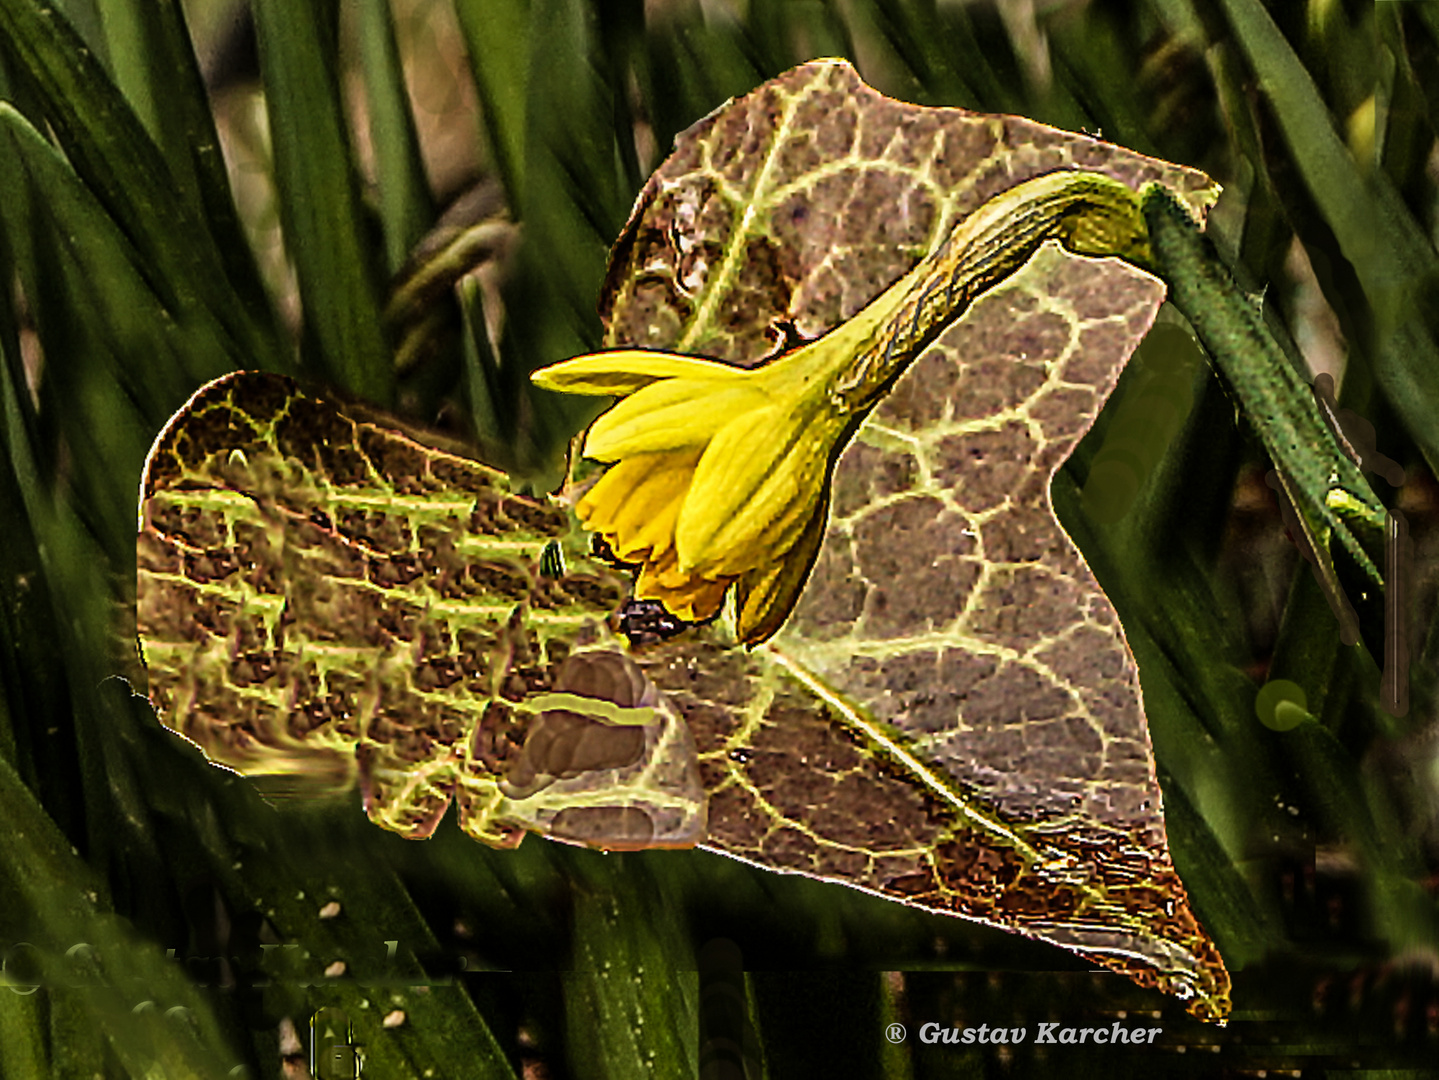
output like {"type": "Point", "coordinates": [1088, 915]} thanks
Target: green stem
{"type": "Point", "coordinates": [1089, 213]}
{"type": "Point", "coordinates": [1328, 489]}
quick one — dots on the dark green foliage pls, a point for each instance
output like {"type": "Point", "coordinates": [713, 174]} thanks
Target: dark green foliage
{"type": "Point", "coordinates": [1310, 854]}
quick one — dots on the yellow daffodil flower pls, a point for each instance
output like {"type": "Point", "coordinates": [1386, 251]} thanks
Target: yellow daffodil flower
{"type": "Point", "coordinates": [720, 475]}
{"type": "Point", "coordinates": [719, 479]}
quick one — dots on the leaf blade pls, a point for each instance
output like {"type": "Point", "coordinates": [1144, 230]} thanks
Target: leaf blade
{"type": "Point", "coordinates": [131, 179]}
{"type": "Point", "coordinates": [320, 203]}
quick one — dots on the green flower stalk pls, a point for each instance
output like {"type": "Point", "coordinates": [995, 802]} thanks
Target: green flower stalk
{"type": "Point", "coordinates": [720, 475]}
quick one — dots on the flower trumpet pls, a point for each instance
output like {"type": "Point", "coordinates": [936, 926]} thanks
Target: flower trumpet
{"type": "Point", "coordinates": [720, 475]}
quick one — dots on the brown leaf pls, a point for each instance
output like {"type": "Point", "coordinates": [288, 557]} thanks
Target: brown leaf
{"type": "Point", "coordinates": [325, 600]}
{"type": "Point", "coordinates": [952, 716]}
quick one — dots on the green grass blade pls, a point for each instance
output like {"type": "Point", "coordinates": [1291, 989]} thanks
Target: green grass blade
{"type": "Point", "coordinates": [1307, 651]}
{"type": "Point", "coordinates": [324, 221]}
{"type": "Point", "coordinates": [1271, 391]}
{"type": "Point", "coordinates": [632, 999]}
{"type": "Point", "coordinates": [79, 1045]}
{"type": "Point", "coordinates": [1309, 131]}
{"type": "Point", "coordinates": [822, 1025]}
{"type": "Point", "coordinates": [481, 374]}
{"type": "Point", "coordinates": [121, 362]}
{"type": "Point", "coordinates": [27, 643]}
{"type": "Point", "coordinates": [1207, 744]}
{"type": "Point", "coordinates": [1420, 43]}
{"type": "Point", "coordinates": [1332, 781]}
{"type": "Point", "coordinates": [1409, 131]}
{"type": "Point", "coordinates": [574, 196]}
{"type": "Point", "coordinates": [69, 634]}
{"type": "Point", "coordinates": [574, 200]}
{"type": "Point", "coordinates": [36, 688]}
{"type": "Point", "coordinates": [688, 69]}
{"type": "Point", "coordinates": [406, 210]}
{"type": "Point", "coordinates": [497, 34]}
{"type": "Point", "coordinates": [154, 66]}
{"type": "Point", "coordinates": [53, 892]}
{"type": "Point", "coordinates": [1223, 900]}
{"type": "Point", "coordinates": [112, 153]}
{"type": "Point", "coordinates": [1182, 19]}
{"type": "Point", "coordinates": [1395, 264]}
{"type": "Point", "coordinates": [1264, 237]}
{"type": "Point", "coordinates": [85, 16]}
{"type": "Point", "coordinates": [939, 54]}
{"type": "Point", "coordinates": [290, 865]}
{"type": "Point", "coordinates": [24, 1047]}
{"type": "Point", "coordinates": [1084, 53]}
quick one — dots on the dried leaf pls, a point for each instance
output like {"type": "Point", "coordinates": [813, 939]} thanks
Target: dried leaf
{"type": "Point", "coordinates": [952, 716]}
{"type": "Point", "coordinates": [325, 598]}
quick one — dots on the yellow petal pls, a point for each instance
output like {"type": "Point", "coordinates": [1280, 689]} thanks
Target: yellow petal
{"type": "Point", "coordinates": [623, 371]}
{"type": "Point", "coordinates": [689, 597]}
{"type": "Point", "coordinates": [664, 572]}
{"type": "Point", "coordinates": [669, 415]}
{"type": "Point", "coordinates": [599, 507]}
{"type": "Point", "coordinates": [733, 467]}
{"type": "Point", "coordinates": [766, 595]}
{"type": "Point", "coordinates": [646, 523]}
{"type": "Point", "coordinates": [751, 498]}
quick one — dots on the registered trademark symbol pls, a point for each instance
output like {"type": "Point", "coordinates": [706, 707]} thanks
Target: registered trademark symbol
{"type": "Point", "coordinates": [894, 1033]}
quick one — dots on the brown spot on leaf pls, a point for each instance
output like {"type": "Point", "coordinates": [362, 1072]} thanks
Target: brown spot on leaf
{"type": "Point", "coordinates": [913, 552]}
{"type": "Point", "coordinates": [918, 692]}
{"type": "Point", "coordinates": [789, 849]}
{"type": "Point", "coordinates": [386, 532]}
{"type": "Point", "coordinates": [1021, 606]}
{"type": "Point", "coordinates": [865, 473]}
{"type": "Point", "coordinates": [1014, 695]}
{"type": "Point", "coordinates": [1064, 413]}
{"type": "Point", "coordinates": [563, 744]}
{"type": "Point", "coordinates": [834, 596]}
{"type": "Point", "coordinates": [986, 467]}
{"type": "Point", "coordinates": [733, 815]}
{"type": "Point", "coordinates": [965, 144]}
{"type": "Point", "coordinates": [1102, 350]}
{"type": "Point", "coordinates": [403, 464]}
{"type": "Point", "coordinates": [615, 827]}
{"type": "Point", "coordinates": [924, 395]}
{"type": "Point", "coordinates": [1023, 534]}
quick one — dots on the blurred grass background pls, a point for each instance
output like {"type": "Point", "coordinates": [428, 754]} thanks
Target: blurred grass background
{"type": "Point", "coordinates": [160, 225]}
